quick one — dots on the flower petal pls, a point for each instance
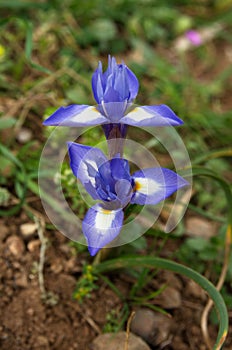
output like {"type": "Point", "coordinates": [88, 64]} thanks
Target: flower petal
{"type": "Point", "coordinates": [76, 115]}
{"type": "Point", "coordinates": [101, 226]}
{"type": "Point", "coordinates": [160, 115]}
{"type": "Point", "coordinates": [111, 95]}
{"type": "Point", "coordinates": [123, 189]}
{"type": "Point", "coordinates": [121, 82]}
{"type": "Point", "coordinates": [133, 84]}
{"type": "Point", "coordinates": [114, 183]}
{"type": "Point", "coordinates": [113, 111]}
{"type": "Point", "coordinates": [97, 83]}
{"type": "Point", "coordinates": [85, 162]}
{"type": "Point", "coordinates": [153, 185]}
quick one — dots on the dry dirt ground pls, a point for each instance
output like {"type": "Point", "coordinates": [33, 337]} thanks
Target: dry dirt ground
{"type": "Point", "coordinates": [28, 322]}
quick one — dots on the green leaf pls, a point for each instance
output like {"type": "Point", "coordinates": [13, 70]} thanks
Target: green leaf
{"type": "Point", "coordinates": [29, 43]}
{"type": "Point", "coordinates": [197, 244]}
{"type": "Point", "coordinates": [6, 123]}
{"type": "Point", "coordinates": [139, 243]}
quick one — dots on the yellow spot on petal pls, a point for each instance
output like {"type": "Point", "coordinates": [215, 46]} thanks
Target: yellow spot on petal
{"type": "Point", "coordinates": [105, 211]}
{"type": "Point", "coordinates": [137, 186]}
{"type": "Point", "coordinates": [95, 109]}
{"type": "Point", "coordinates": [134, 110]}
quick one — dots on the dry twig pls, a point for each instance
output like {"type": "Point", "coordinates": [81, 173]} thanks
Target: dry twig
{"type": "Point", "coordinates": [44, 242]}
{"type": "Point", "coordinates": [128, 330]}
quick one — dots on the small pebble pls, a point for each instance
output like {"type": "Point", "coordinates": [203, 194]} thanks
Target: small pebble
{"type": "Point", "coordinates": [33, 245]}
{"type": "Point", "coordinates": [171, 280]}
{"type": "Point", "coordinates": [28, 229]}
{"type": "Point", "coordinates": [15, 245]}
{"type": "Point", "coordinates": [116, 341]}
{"type": "Point", "coordinates": [170, 298]}
{"type": "Point", "coordinates": [42, 343]}
{"type": "Point", "coordinates": [24, 135]}
{"type": "Point", "coordinates": [152, 326]}
{"type": "Point", "coordinates": [30, 312]}
{"type": "Point", "coordinates": [56, 268]}
{"type": "Point", "coordinates": [195, 290]}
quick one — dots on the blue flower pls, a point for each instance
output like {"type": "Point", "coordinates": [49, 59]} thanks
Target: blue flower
{"type": "Point", "coordinates": [114, 91]}
{"type": "Point", "coordinates": [110, 182]}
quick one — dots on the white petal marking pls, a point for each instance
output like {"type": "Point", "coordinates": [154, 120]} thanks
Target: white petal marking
{"type": "Point", "coordinates": [138, 114]}
{"type": "Point", "coordinates": [94, 164]}
{"type": "Point", "coordinates": [88, 178]}
{"type": "Point", "coordinates": [146, 186]}
{"type": "Point", "coordinates": [104, 219]}
{"type": "Point", "coordinates": [88, 115]}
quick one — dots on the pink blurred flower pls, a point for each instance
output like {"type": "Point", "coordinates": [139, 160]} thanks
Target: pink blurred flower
{"type": "Point", "coordinates": [194, 37]}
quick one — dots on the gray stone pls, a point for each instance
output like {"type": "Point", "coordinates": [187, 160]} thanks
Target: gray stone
{"type": "Point", "coordinates": [152, 326]}
{"type": "Point", "coordinates": [116, 341]}
{"type": "Point", "coordinates": [170, 298]}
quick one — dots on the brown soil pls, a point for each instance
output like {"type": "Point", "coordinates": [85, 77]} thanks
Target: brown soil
{"type": "Point", "coordinates": [28, 322]}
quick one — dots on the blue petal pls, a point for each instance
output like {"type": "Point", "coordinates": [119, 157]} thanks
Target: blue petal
{"type": "Point", "coordinates": [123, 189]}
{"type": "Point", "coordinates": [114, 183]}
{"type": "Point", "coordinates": [160, 115]}
{"type": "Point", "coordinates": [112, 67]}
{"type": "Point", "coordinates": [113, 111]}
{"type": "Point", "coordinates": [153, 185]}
{"type": "Point", "coordinates": [111, 95]}
{"type": "Point", "coordinates": [84, 162]}
{"type": "Point", "coordinates": [76, 115]}
{"type": "Point", "coordinates": [118, 83]}
{"type": "Point", "coordinates": [113, 170]}
{"type": "Point", "coordinates": [97, 84]}
{"type": "Point", "coordinates": [120, 169]}
{"type": "Point", "coordinates": [133, 84]}
{"type": "Point", "coordinates": [107, 76]}
{"type": "Point", "coordinates": [101, 226]}
{"type": "Point", "coordinates": [104, 176]}
{"type": "Point", "coordinates": [121, 82]}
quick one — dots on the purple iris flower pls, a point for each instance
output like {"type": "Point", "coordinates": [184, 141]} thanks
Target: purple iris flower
{"type": "Point", "coordinates": [114, 91]}
{"type": "Point", "coordinates": [110, 182]}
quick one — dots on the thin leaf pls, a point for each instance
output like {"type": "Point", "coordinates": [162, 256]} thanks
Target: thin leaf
{"type": "Point", "coordinates": [29, 40]}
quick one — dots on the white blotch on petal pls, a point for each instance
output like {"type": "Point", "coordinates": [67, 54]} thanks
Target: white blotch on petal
{"type": "Point", "coordinates": [104, 219]}
{"type": "Point", "coordinates": [85, 170]}
{"type": "Point", "coordinates": [146, 186]}
{"type": "Point", "coordinates": [138, 114]}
